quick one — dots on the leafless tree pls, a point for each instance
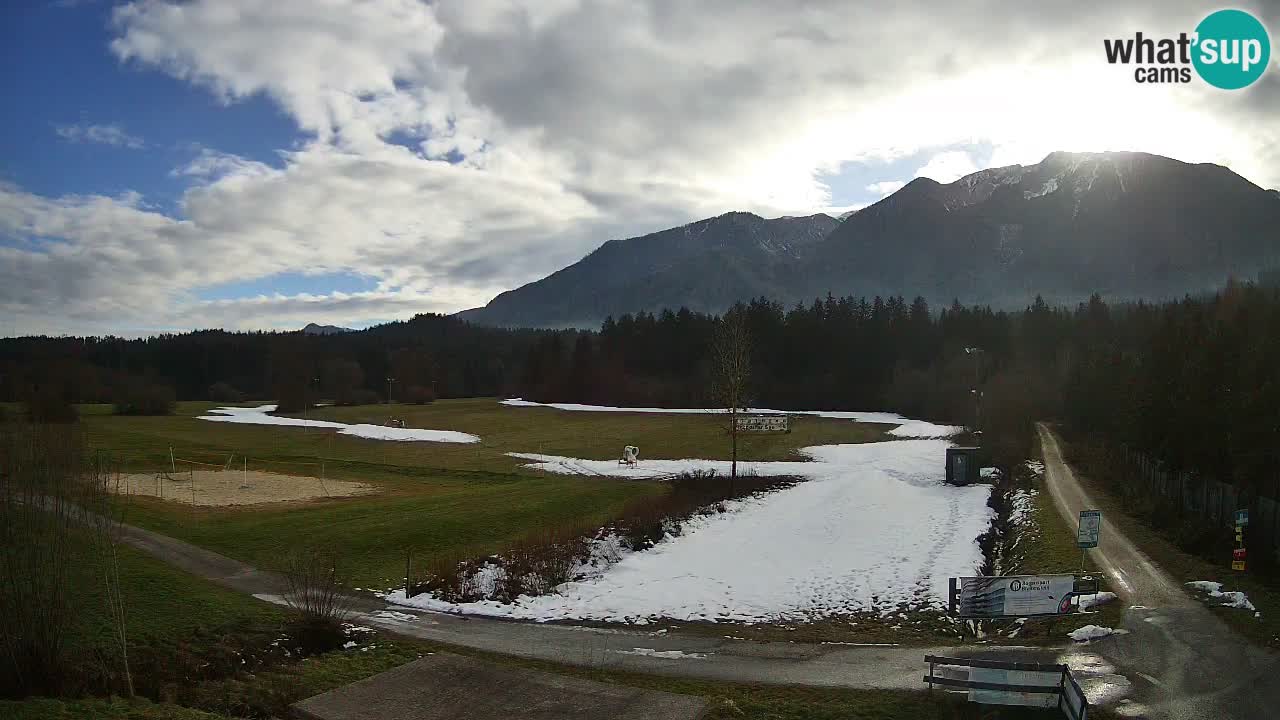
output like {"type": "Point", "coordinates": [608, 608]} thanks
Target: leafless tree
{"type": "Point", "coordinates": [314, 589]}
{"type": "Point", "coordinates": [105, 520]}
{"type": "Point", "coordinates": [731, 365]}
{"type": "Point", "coordinates": [52, 503]}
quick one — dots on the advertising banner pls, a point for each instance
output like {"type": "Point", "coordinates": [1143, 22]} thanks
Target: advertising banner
{"type": "Point", "coordinates": [1016, 595]}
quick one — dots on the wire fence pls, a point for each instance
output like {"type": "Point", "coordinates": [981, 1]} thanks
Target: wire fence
{"type": "Point", "coordinates": [1207, 501]}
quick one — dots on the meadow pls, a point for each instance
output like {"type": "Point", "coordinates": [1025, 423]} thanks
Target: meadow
{"type": "Point", "coordinates": [435, 500]}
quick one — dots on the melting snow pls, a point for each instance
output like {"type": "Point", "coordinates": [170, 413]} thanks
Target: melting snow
{"type": "Point", "coordinates": [874, 529]}
{"type": "Point", "coordinates": [664, 654]}
{"type": "Point", "coordinates": [258, 416]}
{"type": "Point", "coordinates": [1093, 632]}
{"type": "Point", "coordinates": [1102, 598]}
{"type": "Point", "coordinates": [906, 427]}
{"type": "Point", "coordinates": [1230, 599]}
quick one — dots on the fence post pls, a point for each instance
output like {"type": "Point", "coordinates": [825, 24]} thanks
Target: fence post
{"type": "Point", "coordinates": [407, 573]}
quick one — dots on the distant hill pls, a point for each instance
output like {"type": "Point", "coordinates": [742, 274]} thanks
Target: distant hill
{"type": "Point", "coordinates": [1126, 225]}
{"type": "Point", "coordinates": [314, 329]}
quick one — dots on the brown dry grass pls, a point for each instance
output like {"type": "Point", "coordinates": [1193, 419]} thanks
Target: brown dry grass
{"type": "Point", "coordinates": [221, 488]}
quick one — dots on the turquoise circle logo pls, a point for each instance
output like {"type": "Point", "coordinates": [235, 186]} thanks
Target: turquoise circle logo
{"type": "Point", "coordinates": [1232, 49]}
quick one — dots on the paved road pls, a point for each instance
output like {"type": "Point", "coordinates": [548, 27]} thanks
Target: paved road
{"type": "Point", "coordinates": [1183, 661]}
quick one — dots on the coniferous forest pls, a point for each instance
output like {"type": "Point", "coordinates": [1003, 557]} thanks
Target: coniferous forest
{"type": "Point", "coordinates": [1194, 383]}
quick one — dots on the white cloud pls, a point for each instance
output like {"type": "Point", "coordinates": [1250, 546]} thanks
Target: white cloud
{"type": "Point", "coordinates": [885, 188]}
{"type": "Point", "coordinates": [948, 166]}
{"type": "Point", "coordinates": [100, 134]}
{"type": "Point", "coordinates": [572, 122]}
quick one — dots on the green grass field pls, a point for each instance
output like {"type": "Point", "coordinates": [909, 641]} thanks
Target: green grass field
{"type": "Point", "coordinates": [436, 499]}
{"type": "Point", "coordinates": [1052, 549]}
{"type": "Point", "coordinates": [172, 613]}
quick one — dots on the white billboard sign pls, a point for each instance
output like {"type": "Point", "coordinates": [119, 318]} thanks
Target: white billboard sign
{"type": "Point", "coordinates": [1016, 595]}
{"type": "Point", "coordinates": [1090, 529]}
{"type": "Point", "coordinates": [763, 423]}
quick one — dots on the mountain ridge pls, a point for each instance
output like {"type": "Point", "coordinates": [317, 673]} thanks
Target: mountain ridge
{"type": "Point", "coordinates": [1127, 225]}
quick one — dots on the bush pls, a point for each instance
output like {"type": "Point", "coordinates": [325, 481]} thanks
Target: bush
{"type": "Point", "coordinates": [137, 396]}
{"type": "Point", "coordinates": [225, 392]}
{"type": "Point", "coordinates": [316, 596]}
{"type": "Point", "coordinates": [418, 395]}
{"type": "Point", "coordinates": [50, 404]}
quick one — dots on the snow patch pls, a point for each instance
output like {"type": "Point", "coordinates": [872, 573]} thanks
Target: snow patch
{"type": "Point", "coordinates": [664, 654]}
{"type": "Point", "coordinates": [1050, 185]}
{"type": "Point", "coordinates": [1090, 601]}
{"type": "Point", "coordinates": [874, 529]}
{"type": "Point", "coordinates": [1231, 599]}
{"type": "Point", "coordinates": [906, 428]}
{"type": "Point", "coordinates": [1093, 632]}
{"type": "Point", "coordinates": [393, 616]}
{"type": "Point", "coordinates": [259, 416]}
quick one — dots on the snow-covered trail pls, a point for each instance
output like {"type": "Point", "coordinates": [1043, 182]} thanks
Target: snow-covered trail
{"type": "Point", "coordinates": [906, 427]}
{"type": "Point", "coordinates": [874, 528]}
{"type": "Point", "coordinates": [258, 416]}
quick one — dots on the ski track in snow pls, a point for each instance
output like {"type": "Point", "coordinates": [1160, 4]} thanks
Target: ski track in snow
{"type": "Point", "coordinates": [258, 416]}
{"type": "Point", "coordinates": [906, 428]}
{"type": "Point", "coordinates": [873, 529]}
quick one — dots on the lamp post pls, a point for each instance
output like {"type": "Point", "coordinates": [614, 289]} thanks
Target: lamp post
{"type": "Point", "coordinates": [976, 353]}
{"type": "Point", "coordinates": [390, 380]}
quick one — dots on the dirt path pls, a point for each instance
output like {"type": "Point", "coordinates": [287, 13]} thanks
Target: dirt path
{"type": "Point", "coordinates": [649, 651]}
{"type": "Point", "coordinates": [1184, 661]}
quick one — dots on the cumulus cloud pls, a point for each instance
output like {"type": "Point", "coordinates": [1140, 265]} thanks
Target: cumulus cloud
{"type": "Point", "coordinates": [886, 187]}
{"type": "Point", "coordinates": [948, 166]}
{"type": "Point", "coordinates": [455, 149]}
{"type": "Point", "coordinates": [100, 134]}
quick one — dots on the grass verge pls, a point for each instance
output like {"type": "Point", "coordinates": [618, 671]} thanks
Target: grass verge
{"type": "Point", "coordinates": [182, 642]}
{"type": "Point", "coordinates": [1048, 546]}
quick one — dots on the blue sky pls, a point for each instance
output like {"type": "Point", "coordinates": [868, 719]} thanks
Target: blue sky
{"type": "Point", "coordinates": [168, 165]}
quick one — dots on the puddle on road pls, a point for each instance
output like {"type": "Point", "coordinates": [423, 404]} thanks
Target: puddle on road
{"type": "Point", "coordinates": [1097, 677]}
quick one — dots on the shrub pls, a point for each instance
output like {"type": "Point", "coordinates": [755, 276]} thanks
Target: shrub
{"type": "Point", "coordinates": [225, 392]}
{"type": "Point", "coordinates": [137, 396]}
{"type": "Point", "coordinates": [50, 404]}
{"type": "Point", "coordinates": [315, 594]}
{"type": "Point", "coordinates": [418, 395]}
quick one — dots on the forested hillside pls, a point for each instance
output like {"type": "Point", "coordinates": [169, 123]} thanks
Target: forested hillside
{"type": "Point", "coordinates": [1195, 383]}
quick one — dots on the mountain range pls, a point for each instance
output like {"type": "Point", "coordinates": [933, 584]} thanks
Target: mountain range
{"type": "Point", "coordinates": [314, 329]}
{"type": "Point", "coordinates": [1125, 225]}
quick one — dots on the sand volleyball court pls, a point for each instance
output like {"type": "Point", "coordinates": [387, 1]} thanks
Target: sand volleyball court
{"type": "Point", "coordinates": [236, 487]}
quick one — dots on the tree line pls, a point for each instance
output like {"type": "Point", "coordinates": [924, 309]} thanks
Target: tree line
{"type": "Point", "coordinates": [1194, 382]}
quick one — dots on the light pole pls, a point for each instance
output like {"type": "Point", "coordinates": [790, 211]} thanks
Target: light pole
{"type": "Point", "coordinates": [976, 353]}
{"type": "Point", "coordinates": [389, 381]}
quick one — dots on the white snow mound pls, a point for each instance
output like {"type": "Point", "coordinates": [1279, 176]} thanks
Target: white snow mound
{"type": "Point", "coordinates": [1102, 598]}
{"type": "Point", "coordinates": [1093, 632]}
{"type": "Point", "coordinates": [258, 416]}
{"type": "Point", "coordinates": [1231, 599]}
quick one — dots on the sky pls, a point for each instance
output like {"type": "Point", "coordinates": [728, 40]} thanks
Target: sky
{"type": "Point", "coordinates": [241, 164]}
